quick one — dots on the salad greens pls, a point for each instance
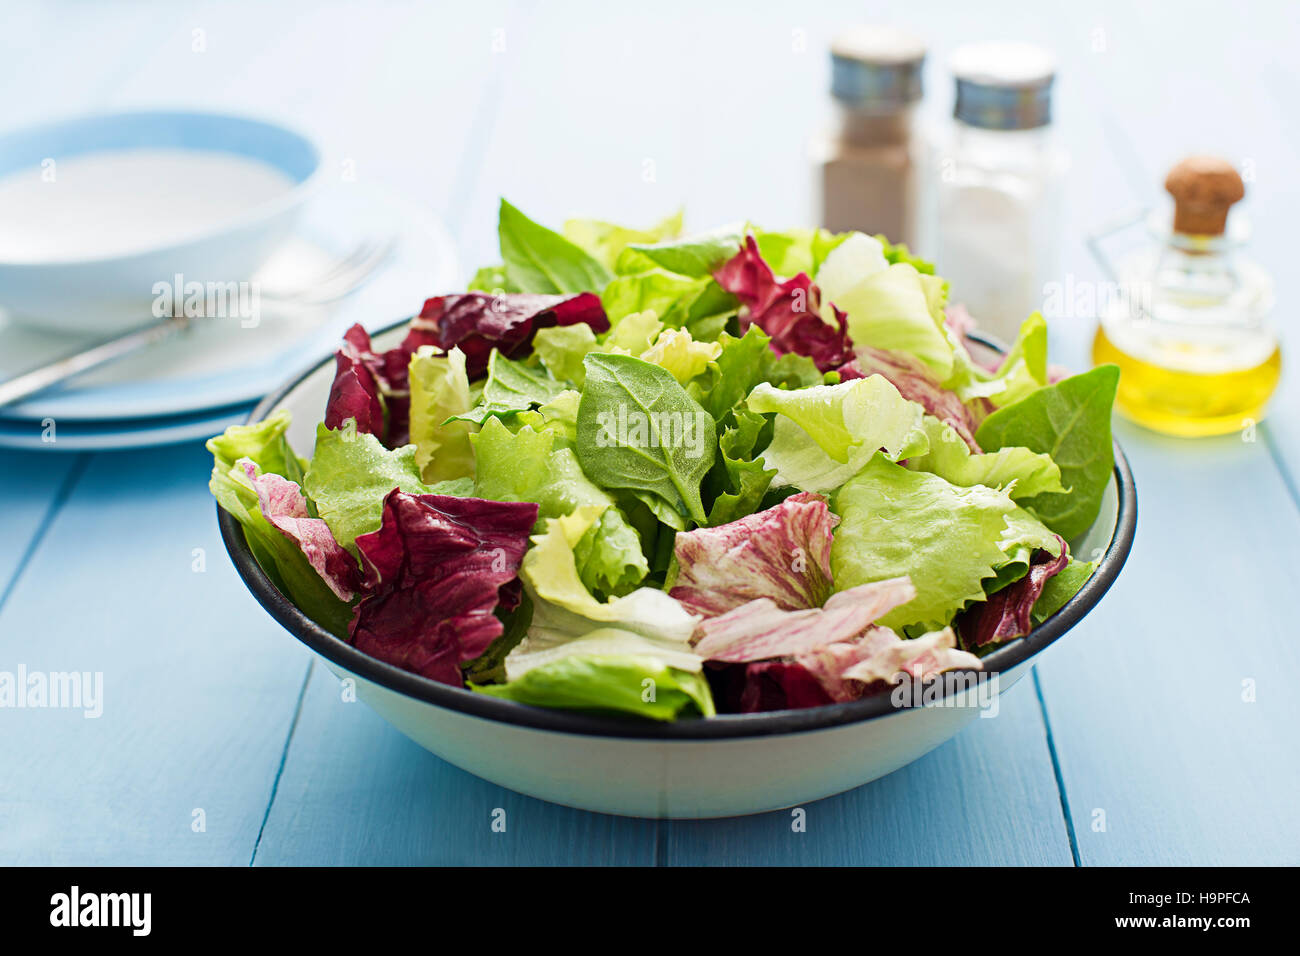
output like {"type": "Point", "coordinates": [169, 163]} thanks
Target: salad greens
{"type": "Point", "coordinates": [667, 475]}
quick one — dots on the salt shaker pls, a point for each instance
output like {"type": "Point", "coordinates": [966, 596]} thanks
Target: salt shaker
{"type": "Point", "coordinates": [866, 168]}
{"type": "Point", "coordinates": [998, 185]}
{"type": "Point", "coordinates": [1192, 333]}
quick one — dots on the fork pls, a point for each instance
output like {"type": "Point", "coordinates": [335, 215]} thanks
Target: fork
{"type": "Point", "coordinates": [341, 279]}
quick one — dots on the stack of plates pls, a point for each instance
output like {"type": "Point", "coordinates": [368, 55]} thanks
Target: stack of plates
{"type": "Point", "coordinates": [198, 382]}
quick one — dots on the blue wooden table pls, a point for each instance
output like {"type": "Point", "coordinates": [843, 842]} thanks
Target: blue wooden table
{"type": "Point", "coordinates": [1161, 731]}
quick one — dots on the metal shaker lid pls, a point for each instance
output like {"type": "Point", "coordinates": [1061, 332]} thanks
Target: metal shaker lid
{"type": "Point", "coordinates": [876, 68]}
{"type": "Point", "coordinates": [1003, 85]}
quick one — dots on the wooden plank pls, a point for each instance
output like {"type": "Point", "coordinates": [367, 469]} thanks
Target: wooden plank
{"type": "Point", "coordinates": [356, 792]}
{"type": "Point", "coordinates": [987, 797]}
{"type": "Point", "coordinates": [198, 685]}
{"type": "Point", "coordinates": [1171, 707]}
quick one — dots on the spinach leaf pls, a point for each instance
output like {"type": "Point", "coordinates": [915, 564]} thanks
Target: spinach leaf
{"type": "Point", "coordinates": [639, 430]}
{"type": "Point", "coordinates": [696, 256]}
{"type": "Point", "coordinates": [1070, 421]}
{"type": "Point", "coordinates": [539, 260]}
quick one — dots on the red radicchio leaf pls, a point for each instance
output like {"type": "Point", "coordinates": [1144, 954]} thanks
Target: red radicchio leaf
{"type": "Point", "coordinates": [435, 571]}
{"type": "Point", "coordinates": [837, 672]}
{"type": "Point", "coordinates": [477, 322]}
{"type": "Point", "coordinates": [783, 553]}
{"type": "Point", "coordinates": [787, 311]}
{"type": "Point", "coordinates": [362, 376]}
{"type": "Point", "coordinates": [765, 686]}
{"type": "Point", "coordinates": [759, 630]}
{"type": "Point", "coordinates": [284, 507]}
{"type": "Point", "coordinates": [1006, 613]}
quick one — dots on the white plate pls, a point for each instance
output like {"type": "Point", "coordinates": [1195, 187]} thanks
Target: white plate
{"type": "Point", "coordinates": [224, 363]}
{"type": "Point", "coordinates": [54, 435]}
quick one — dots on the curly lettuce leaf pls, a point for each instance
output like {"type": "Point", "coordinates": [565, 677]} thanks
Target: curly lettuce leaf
{"type": "Point", "coordinates": [738, 480]}
{"type": "Point", "coordinates": [679, 353]}
{"type": "Point", "coordinates": [350, 475]}
{"type": "Point", "coordinates": [893, 308]}
{"type": "Point", "coordinates": [440, 391]}
{"type": "Point", "coordinates": [792, 251]}
{"type": "Point", "coordinates": [598, 674]}
{"type": "Point", "coordinates": [605, 240]}
{"type": "Point", "coordinates": [609, 555]}
{"type": "Point", "coordinates": [947, 539]}
{"type": "Point", "coordinates": [823, 435]}
{"type": "Point", "coordinates": [280, 556]}
{"type": "Point", "coordinates": [1022, 472]}
{"type": "Point", "coordinates": [562, 349]}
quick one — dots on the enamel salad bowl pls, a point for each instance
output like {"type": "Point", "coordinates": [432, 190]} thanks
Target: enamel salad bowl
{"type": "Point", "coordinates": [722, 766]}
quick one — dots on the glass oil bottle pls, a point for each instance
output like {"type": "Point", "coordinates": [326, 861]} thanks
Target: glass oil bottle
{"type": "Point", "coordinates": [1191, 335]}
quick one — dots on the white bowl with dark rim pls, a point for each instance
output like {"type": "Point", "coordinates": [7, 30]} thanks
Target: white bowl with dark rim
{"type": "Point", "coordinates": [721, 766]}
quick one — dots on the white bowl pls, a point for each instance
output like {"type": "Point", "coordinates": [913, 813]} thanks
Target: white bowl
{"type": "Point", "coordinates": [112, 286]}
{"type": "Point", "coordinates": [715, 767]}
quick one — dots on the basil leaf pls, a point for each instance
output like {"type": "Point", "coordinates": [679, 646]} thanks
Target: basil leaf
{"type": "Point", "coordinates": [639, 430]}
{"type": "Point", "coordinates": [1070, 421]}
{"type": "Point", "coordinates": [539, 260]}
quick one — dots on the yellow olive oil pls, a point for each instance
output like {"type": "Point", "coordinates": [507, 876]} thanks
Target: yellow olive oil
{"type": "Point", "coordinates": [1180, 390]}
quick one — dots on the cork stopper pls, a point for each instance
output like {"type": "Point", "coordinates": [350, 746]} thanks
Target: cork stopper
{"type": "Point", "coordinates": [1203, 187]}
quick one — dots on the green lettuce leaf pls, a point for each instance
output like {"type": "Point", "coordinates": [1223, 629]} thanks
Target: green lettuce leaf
{"type": "Point", "coordinates": [265, 442]}
{"type": "Point", "coordinates": [562, 349]}
{"type": "Point", "coordinates": [439, 391]}
{"type": "Point", "coordinates": [605, 240]}
{"type": "Point", "coordinates": [798, 250]}
{"type": "Point", "coordinates": [350, 475]}
{"type": "Point", "coordinates": [638, 429]}
{"type": "Point", "coordinates": [1069, 421]}
{"type": "Point", "coordinates": [540, 260]}
{"type": "Point", "coordinates": [679, 353]}
{"type": "Point", "coordinates": [947, 539]}
{"type": "Point", "coordinates": [823, 435]}
{"type": "Point", "coordinates": [1022, 370]}
{"type": "Point", "coordinates": [745, 362]}
{"type": "Point", "coordinates": [1022, 472]}
{"type": "Point", "coordinates": [698, 255]}
{"type": "Point", "coordinates": [597, 675]}
{"type": "Point", "coordinates": [893, 308]}
{"type": "Point", "coordinates": [511, 387]}
{"type": "Point", "coordinates": [1060, 587]}
{"type": "Point", "coordinates": [609, 555]}
{"type": "Point", "coordinates": [738, 481]}
{"type": "Point", "coordinates": [491, 279]}
{"type": "Point", "coordinates": [282, 559]}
